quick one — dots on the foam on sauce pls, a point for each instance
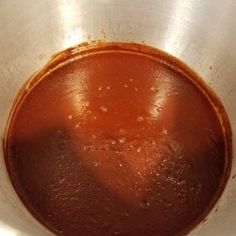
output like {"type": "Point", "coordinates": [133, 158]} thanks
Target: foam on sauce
{"type": "Point", "coordinates": [117, 139]}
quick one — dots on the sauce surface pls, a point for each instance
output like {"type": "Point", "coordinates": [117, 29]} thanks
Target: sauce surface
{"type": "Point", "coordinates": [119, 139]}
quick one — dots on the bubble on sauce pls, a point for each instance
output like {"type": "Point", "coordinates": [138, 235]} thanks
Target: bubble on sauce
{"type": "Point", "coordinates": [144, 203]}
{"type": "Point", "coordinates": [135, 89]}
{"type": "Point", "coordinates": [86, 103]}
{"type": "Point", "coordinates": [100, 88]}
{"type": "Point", "coordinates": [73, 199]}
{"type": "Point", "coordinates": [131, 80]}
{"type": "Point", "coordinates": [195, 188]}
{"type": "Point", "coordinates": [88, 148]}
{"type": "Point", "coordinates": [126, 214]}
{"type": "Point", "coordinates": [113, 142]}
{"type": "Point", "coordinates": [119, 153]}
{"type": "Point", "coordinates": [139, 149]}
{"type": "Point", "coordinates": [96, 163]}
{"type": "Point", "coordinates": [153, 89]}
{"type": "Point", "coordinates": [122, 140]}
{"type": "Point", "coordinates": [88, 111]}
{"type": "Point", "coordinates": [140, 119]}
{"type": "Point", "coordinates": [108, 87]}
{"type": "Point", "coordinates": [117, 233]}
{"type": "Point", "coordinates": [181, 182]}
{"type": "Point", "coordinates": [153, 142]}
{"type": "Point", "coordinates": [157, 174]}
{"type": "Point", "coordinates": [103, 108]}
{"type": "Point", "coordinates": [62, 180]}
{"type": "Point", "coordinates": [171, 179]}
{"type": "Point", "coordinates": [149, 190]}
{"type": "Point", "coordinates": [164, 131]}
{"type": "Point", "coordinates": [70, 117]}
{"type": "Point", "coordinates": [182, 195]}
{"type": "Point", "coordinates": [126, 86]}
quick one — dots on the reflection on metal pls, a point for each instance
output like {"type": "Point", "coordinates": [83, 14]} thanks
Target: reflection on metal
{"type": "Point", "coordinates": [177, 29]}
{"type": "Point", "coordinates": [70, 15]}
{"type": "Point", "coordinates": [7, 231]}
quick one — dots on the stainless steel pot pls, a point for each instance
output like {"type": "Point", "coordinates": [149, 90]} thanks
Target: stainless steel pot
{"type": "Point", "coordinates": [202, 33]}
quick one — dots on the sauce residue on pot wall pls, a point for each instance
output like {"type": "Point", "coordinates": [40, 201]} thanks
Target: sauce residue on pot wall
{"type": "Point", "coordinates": [117, 139]}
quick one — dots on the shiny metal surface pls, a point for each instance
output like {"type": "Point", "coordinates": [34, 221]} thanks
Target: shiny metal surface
{"type": "Point", "coordinates": [201, 33]}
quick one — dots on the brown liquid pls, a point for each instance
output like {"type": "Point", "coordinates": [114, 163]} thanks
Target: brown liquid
{"type": "Point", "coordinates": [120, 139]}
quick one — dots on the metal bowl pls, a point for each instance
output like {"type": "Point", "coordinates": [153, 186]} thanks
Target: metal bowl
{"type": "Point", "coordinates": [201, 33]}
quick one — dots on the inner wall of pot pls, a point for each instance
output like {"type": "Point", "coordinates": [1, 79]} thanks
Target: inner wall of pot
{"type": "Point", "coordinates": [189, 30]}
